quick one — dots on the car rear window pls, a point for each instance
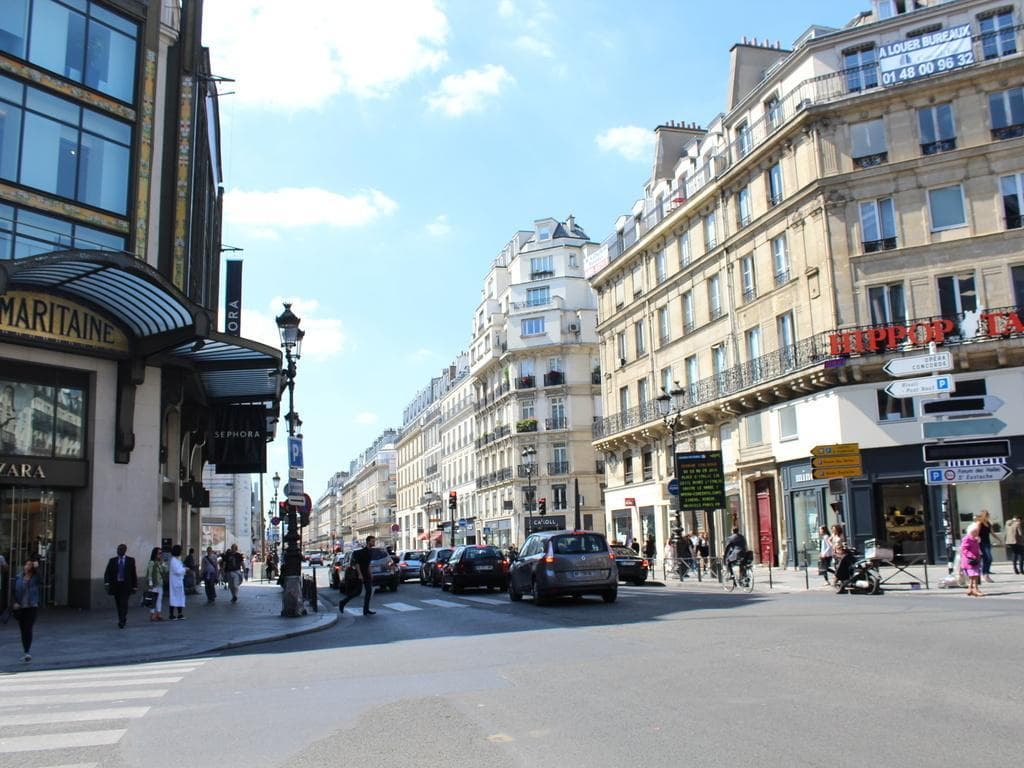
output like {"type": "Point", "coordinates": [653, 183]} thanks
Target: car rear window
{"type": "Point", "coordinates": [624, 552]}
{"type": "Point", "coordinates": [378, 554]}
{"type": "Point", "coordinates": [578, 544]}
{"type": "Point", "coordinates": [444, 554]}
{"type": "Point", "coordinates": [478, 553]}
{"type": "Point", "coordinates": [415, 556]}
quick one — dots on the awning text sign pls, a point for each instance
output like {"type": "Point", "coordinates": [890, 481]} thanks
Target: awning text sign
{"type": "Point", "coordinates": [701, 480]}
{"type": "Point", "coordinates": [944, 50]}
{"type": "Point", "coordinates": [58, 321]}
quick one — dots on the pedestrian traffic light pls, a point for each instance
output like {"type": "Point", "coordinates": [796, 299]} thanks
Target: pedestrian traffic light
{"type": "Point", "coordinates": [543, 508]}
{"type": "Point", "coordinates": [453, 500]}
{"type": "Point", "coordinates": [282, 509]}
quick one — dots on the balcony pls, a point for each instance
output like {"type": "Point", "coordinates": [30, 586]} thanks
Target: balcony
{"type": "Point", "coordinates": [532, 304]}
{"type": "Point", "coordinates": [688, 326]}
{"type": "Point", "coordinates": [558, 467]}
{"type": "Point", "coordinates": [528, 470]}
{"type": "Point", "coordinates": [715, 312]}
{"type": "Point", "coordinates": [664, 339]}
{"type": "Point", "coordinates": [526, 382]}
{"type": "Point", "coordinates": [558, 422]}
{"type": "Point", "coordinates": [502, 431]}
{"type": "Point", "coordinates": [935, 147]}
{"type": "Point", "coordinates": [782, 277]}
{"type": "Point", "coordinates": [874, 246]}
{"type": "Point", "coordinates": [1008, 132]}
{"type": "Point", "coordinates": [749, 294]}
{"type": "Point", "coordinates": [554, 378]}
{"type": "Point", "coordinates": [541, 274]}
{"type": "Point", "coordinates": [526, 425]}
{"type": "Point", "coordinates": [742, 221]}
{"type": "Point", "coordinates": [431, 470]}
{"type": "Point", "coordinates": [870, 161]}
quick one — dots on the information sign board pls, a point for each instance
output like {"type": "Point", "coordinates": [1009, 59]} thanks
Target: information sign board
{"type": "Point", "coordinates": [701, 480]}
{"type": "Point", "coordinates": [913, 58]}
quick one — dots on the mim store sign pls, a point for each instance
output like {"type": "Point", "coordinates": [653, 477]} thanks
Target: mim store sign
{"type": "Point", "coordinates": [971, 326]}
{"type": "Point", "coordinates": [935, 53]}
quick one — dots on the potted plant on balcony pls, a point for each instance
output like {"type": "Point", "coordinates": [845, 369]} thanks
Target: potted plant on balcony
{"type": "Point", "coordinates": [526, 425]}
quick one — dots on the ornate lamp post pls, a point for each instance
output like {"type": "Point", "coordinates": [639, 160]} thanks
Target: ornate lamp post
{"type": "Point", "coordinates": [276, 481]}
{"type": "Point", "coordinates": [529, 457]}
{"type": "Point", "coordinates": [291, 568]}
{"type": "Point", "coordinates": [671, 410]}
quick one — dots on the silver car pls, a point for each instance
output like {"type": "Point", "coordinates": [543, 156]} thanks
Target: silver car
{"type": "Point", "coordinates": [555, 563]}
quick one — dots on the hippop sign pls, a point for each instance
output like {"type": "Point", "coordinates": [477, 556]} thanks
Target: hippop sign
{"type": "Point", "coordinates": [238, 439]}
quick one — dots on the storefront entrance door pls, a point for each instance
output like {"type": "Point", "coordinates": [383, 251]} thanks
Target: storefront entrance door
{"type": "Point", "coordinates": [35, 523]}
{"type": "Point", "coordinates": [765, 521]}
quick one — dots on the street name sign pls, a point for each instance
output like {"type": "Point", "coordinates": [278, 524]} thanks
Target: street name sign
{"type": "Point", "coordinates": [828, 473]}
{"type": "Point", "coordinates": [950, 475]}
{"type": "Point", "coordinates": [927, 385]}
{"type": "Point", "coordinates": [962, 406]}
{"type": "Point", "coordinates": [836, 461]}
{"type": "Point", "coordinates": [836, 449]}
{"type": "Point", "coordinates": [701, 480]}
{"type": "Point", "coordinates": [932, 430]}
{"type": "Point", "coordinates": [910, 366]}
{"type": "Point", "coordinates": [969, 449]}
{"type": "Point", "coordinates": [296, 493]}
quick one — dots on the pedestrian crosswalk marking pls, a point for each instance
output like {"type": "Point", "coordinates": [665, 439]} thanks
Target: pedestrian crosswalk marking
{"type": "Point", "coordinates": [484, 600]}
{"type": "Point", "coordinates": [75, 740]}
{"type": "Point", "coordinates": [445, 604]}
{"type": "Point", "coordinates": [401, 607]}
{"type": "Point", "coordinates": [106, 673]}
{"type": "Point", "coordinates": [72, 765]}
{"type": "Point", "coordinates": [81, 716]}
{"type": "Point", "coordinates": [64, 685]}
{"type": "Point", "coordinates": [78, 698]}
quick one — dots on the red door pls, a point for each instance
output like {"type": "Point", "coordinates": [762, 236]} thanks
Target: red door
{"type": "Point", "coordinates": [765, 526]}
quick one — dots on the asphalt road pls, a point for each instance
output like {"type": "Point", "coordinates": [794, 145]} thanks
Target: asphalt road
{"type": "Point", "coordinates": [661, 678]}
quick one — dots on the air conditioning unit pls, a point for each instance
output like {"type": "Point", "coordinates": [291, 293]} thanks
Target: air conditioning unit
{"type": "Point", "coordinates": [574, 327]}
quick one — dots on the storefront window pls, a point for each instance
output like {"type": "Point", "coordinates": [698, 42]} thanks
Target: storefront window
{"type": "Point", "coordinates": [903, 517]}
{"type": "Point", "coordinates": [622, 525]}
{"type": "Point", "coordinates": [39, 419]}
{"type": "Point", "coordinates": [808, 515]}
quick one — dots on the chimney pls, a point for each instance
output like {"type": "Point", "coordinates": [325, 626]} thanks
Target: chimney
{"type": "Point", "coordinates": [570, 223]}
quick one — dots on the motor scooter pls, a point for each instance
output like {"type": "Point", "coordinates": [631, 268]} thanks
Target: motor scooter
{"type": "Point", "coordinates": [857, 575]}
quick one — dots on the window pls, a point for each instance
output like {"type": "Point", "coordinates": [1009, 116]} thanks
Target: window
{"type": "Point", "coordinates": [647, 463]}
{"type": "Point", "coordinates": [89, 45]}
{"type": "Point", "coordinates": [526, 368]}
{"type": "Point", "coordinates": [664, 329]}
{"type": "Point", "coordinates": [643, 394]}
{"type": "Point", "coordinates": [684, 249]}
{"type": "Point", "coordinates": [867, 143]}
{"type": "Point", "coordinates": [660, 266]}
{"type": "Point", "coordinates": [557, 407]}
{"type": "Point", "coordinates": [998, 36]}
{"type": "Point", "coordinates": [538, 297]}
{"type": "Point", "coordinates": [743, 207]}
{"type": "Point", "coordinates": [937, 131]}
{"type": "Point", "coordinates": [1012, 188]}
{"type": "Point", "coordinates": [692, 377]}
{"type": "Point", "coordinates": [1006, 109]}
{"type": "Point", "coordinates": [714, 297]}
{"type": "Point", "coordinates": [638, 279]}
{"type": "Point", "coordinates": [787, 423]}
{"type": "Point", "coordinates": [710, 240]}
{"type": "Point", "coordinates": [719, 359]}
{"type": "Point", "coordinates": [780, 260]}
{"type": "Point", "coordinates": [666, 373]}
{"type": "Point", "coordinates": [542, 266]}
{"type": "Point", "coordinates": [627, 467]}
{"type": "Point", "coordinates": [886, 304]}
{"type": "Point", "coordinates": [640, 338]}
{"type": "Point", "coordinates": [44, 413]}
{"type": "Point", "coordinates": [775, 191]}
{"type": "Point", "coordinates": [532, 326]}
{"type": "Point", "coordinates": [957, 294]}
{"type": "Point", "coordinates": [743, 143]}
{"type": "Point", "coordinates": [772, 112]}
{"type": "Point", "coordinates": [25, 233]}
{"type": "Point", "coordinates": [785, 328]}
{"type": "Point", "coordinates": [689, 313]}
{"type": "Point", "coordinates": [620, 346]}
{"type": "Point", "coordinates": [753, 339]}
{"type": "Point", "coordinates": [623, 399]}
{"type": "Point", "coordinates": [754, 427]}
{"type": "Point", "coordinates": [543, 233]}
{"type": "Point", "coordinates": [63, 149]}
{"type": "Point", "coordinates": [561, 499]}
{"type": "Point", "coordinates": [877, 225]}
{"type": "Point", "coordinates": [946, 205]}
{"type": "Point", "coordinates": [620, 291]}
{"type": "Point", "coordinates": [859, 68]}
{"type": "Point", "coordinates": [749, 284]}
{"type": "Point", "coordinates": [555, 365]}
{"type": "Point", "coordinates": [894, 408]}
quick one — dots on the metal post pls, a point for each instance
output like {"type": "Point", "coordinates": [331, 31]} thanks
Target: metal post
{"type": "Point", "coordinates": [576, 490]}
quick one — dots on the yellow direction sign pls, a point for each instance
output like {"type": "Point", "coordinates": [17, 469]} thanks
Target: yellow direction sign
{"type": "Point", "coordinates": [836, 449]}
{"type": "Point", "coordinates": [852, 460]}
{"type": "Point", "coordinates": [827, 473]}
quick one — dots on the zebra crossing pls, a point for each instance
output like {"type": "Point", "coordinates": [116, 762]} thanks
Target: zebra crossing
{"type": "Point", "coordinates": [44, 712]}
{"type": "Point", "coordinates": [385, 602]}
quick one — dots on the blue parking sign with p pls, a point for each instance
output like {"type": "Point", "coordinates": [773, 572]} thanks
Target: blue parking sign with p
{"type": "Point", "coordinates": [295, 452]}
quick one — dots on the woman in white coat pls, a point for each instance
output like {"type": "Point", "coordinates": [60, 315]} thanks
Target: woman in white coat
{"type": "Point", "coordinates": [177, 592]}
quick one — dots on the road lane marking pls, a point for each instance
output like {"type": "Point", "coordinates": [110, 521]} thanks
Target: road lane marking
{"type": "Point", "coordinates": [106, 673]}
{"type": "Point", "coordinates": [39, 742]}
{"type": "Point", "coordinates": [78, 698]}
{"type": "Point", "coordinates": [72, 765]}
{"type": "Point", "coordinates": [484, 600]}
{"type": "Point", "coordinates": [81, 716]}
{"type": "Point", "coordinates": [445, 604]}
{"type": "Point", "coordinates": [64, 685]}
{"type": "Point", "coordinates": [402, 607]}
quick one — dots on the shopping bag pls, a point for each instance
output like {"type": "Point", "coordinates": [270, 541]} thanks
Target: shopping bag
{"type": "Point", "coordinates": [149, 598]}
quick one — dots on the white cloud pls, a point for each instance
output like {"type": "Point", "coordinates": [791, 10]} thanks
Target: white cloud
{"type": "Point", "coordinates": [292, 207]}
{"type": "Point", "coordinates": [297, 55]}
{"type": "Point", "coordinates": [630, 141]}
{"type": "Point", "coordinates": [506, 9]}
{"type": "Point", "coordinates": [469, 91]}
{"type": "Point", "coordinates": [439, 227]}
{"type": "Point", "coordinates": [324, 337]}
{"type": "Point", "coordinates": [421, 355]}
{"type": "Point", "coordinates": [535, 46]}
{"type": "Point", "coordinates": [366, 417]}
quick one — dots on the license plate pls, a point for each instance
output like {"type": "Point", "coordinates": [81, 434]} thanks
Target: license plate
{"type": "Point", "coordinates": [485, 567]}
{"type": "Point", "coordinates": [627, 562]}
{"type": "Point", "coordinates": [581, 574]}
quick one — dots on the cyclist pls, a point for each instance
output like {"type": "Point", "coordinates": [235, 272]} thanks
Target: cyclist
{"type": "Point", "coordinates": [735, 549]}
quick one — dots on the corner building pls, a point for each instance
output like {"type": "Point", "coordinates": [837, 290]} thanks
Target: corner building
{"type": "Point", "coordinates": [112, 370]}
{"type": "Point", "coordinates": [859, 198]}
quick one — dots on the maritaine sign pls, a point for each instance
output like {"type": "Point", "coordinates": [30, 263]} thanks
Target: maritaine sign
{"type": "Point", "coordinates": [59, 321]}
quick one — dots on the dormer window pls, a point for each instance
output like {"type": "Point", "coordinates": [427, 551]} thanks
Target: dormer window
{"type": "Point", "coordinates": [543, 233]}
{"type": "Point", "coordinates": [886, 9]}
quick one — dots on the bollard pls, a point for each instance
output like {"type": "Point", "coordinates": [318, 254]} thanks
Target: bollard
{"type": "Point", "coordinates": [926, 574]}
{"type": "Point", "coordinates": [771, 584]}
{"type": "Point", "coordinates": [807, 579]}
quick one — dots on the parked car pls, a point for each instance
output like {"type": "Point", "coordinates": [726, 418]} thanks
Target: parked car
{"type": "Point", "coordinates": [475, 566]}
{"type": "Point", "coordinates": [315, 558]}
{"type": "Point", "coordinates": [409, 563]}
{"type": "Point", "coordinates": [382, 569]}
{"type": "Point", "coordinates": [338, 569]}
{"type": "Point", "coordinates": [555, 563]}
{"type": "Point", "coordinates": [430, 571]}
{"type": "Point", "coordinates": [631, 566]}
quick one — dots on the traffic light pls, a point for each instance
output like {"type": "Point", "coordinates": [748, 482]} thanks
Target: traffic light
{"type": "Point", "coordinates": [282, 509]}
{"type": "Point", "coordinates": [453, 500]}
{"type": "Point", "coordinates": [543, 506]}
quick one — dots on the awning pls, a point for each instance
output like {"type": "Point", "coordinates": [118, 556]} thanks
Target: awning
{"type": "Point", "coordinates": [166, 326]}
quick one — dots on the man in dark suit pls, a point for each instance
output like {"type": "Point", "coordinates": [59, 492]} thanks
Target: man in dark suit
{"type": "Point", "coordinates": [121, 580]}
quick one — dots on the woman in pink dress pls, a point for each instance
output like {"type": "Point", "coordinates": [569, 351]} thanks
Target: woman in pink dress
{"type": "Point", "coordinates": [970, 560]}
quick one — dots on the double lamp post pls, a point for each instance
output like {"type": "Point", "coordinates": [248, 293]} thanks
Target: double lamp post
{"type": "Point", "coordinates": [670, 407]}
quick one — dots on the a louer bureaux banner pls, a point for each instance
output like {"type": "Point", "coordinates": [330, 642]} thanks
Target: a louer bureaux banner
{"type": "Point", "coordinates": [238, 439]}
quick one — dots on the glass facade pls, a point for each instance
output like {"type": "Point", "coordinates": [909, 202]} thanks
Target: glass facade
{"type": "Point", "coordinates": [43, 416]}
{"type": "Point", "coordinates": [25, 233]}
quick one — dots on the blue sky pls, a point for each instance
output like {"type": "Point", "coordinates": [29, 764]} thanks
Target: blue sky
{"type": "Point", "coordinates": [379, 155]}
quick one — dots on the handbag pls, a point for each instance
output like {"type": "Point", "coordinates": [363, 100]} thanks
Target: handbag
{"type": "Point", "coordinates": [5, 616]}
{"type": "Point", "coordinates": [149, 598]}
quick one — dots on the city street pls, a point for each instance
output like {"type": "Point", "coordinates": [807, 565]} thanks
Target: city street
{"type": "Point", "coordinates": [663, 677]}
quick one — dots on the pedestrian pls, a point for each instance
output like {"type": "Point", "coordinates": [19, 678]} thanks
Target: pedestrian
{"type": "Point", "coordinates": [359, 570]}
{"type": "Point", "coordinates": [156, 575]}
{"type": "Point", "coordinates": [824, 552]}
{"type": "Point", "coordinates": [209, 573]}
{"type": "Point", "coordinates": [1015, 543]}
{"type": "Point", "coordinates": [684, 555]}
{"type": "Point", "coordinates": [177, 591]}
{"type": "Point", "coordinates": [635, 546]}
{"type": "Point", "coordinates": [191, 573]}
{"type": "Point", "coordinates": [245, 567]}
{"type": "Point", "coordinates": [986, 534]}
{"type": "Point", "coordinates": [971, 559]}
{"type": "Point", "coordinates": [513, 553]}
{"type": "Point", "coordinates": [233, 570]}
{"type": "Point", "coordinates": [703, 550]}
{"type": "Point", "coordinates": [25, 604]}
{"type": "Point", "coordinates": [121, 580]}
{"type": "Point", "coordinates": [840, 562]}
{"type": "Point", "coordinates": [651, 551]}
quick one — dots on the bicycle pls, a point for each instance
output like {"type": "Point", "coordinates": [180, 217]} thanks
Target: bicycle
{"type": "Point", "coordinates": [745, 579]}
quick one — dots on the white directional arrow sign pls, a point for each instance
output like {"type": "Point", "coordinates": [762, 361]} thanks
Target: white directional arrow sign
{"type": "Point", "coordinates": [909, 366]}
{"type": "Point", "coordinates": [950, 475]}
{"type": "Point", "coordinates": [928, 385]}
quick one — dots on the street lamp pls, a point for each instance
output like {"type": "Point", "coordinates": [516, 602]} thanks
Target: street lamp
{"type": "Point", "coordinates": [529, 457]}
{"type": "Point", "coordinates": [670, 406]}
{"type": "Point", "coordinates": [276, 481]}
{"type": "Point", "coordinates": [291, 569]}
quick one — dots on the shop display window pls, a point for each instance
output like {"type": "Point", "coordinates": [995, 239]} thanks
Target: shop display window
{"type": "Point", "coordinates": [39, 418]}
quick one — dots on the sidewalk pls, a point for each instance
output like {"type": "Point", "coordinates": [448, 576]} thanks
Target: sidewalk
{"type": "Point", "coordinates": [69, 638]}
